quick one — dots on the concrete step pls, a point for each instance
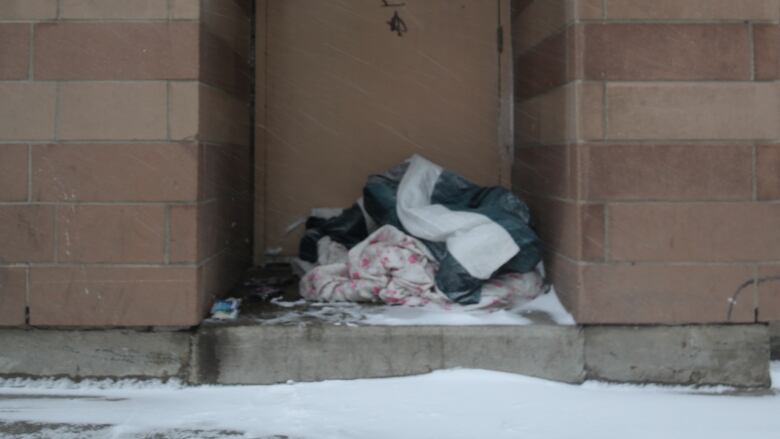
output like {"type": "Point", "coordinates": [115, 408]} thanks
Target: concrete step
{"type": "Point", "coordinates": [736, 355]}
{"type": "Point", "coordinates": [265, 355]}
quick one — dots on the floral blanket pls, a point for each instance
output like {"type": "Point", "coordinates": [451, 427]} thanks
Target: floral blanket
{"type": "Point", "coordinates": [394, 268]}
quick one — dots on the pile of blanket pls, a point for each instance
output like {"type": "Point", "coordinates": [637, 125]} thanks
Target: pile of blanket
{"type": "Point", "coordinates": [421, 235]}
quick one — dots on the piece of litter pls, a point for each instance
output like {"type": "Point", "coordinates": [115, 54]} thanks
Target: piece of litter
{"type": "Point", "coordinates": [225, 309]}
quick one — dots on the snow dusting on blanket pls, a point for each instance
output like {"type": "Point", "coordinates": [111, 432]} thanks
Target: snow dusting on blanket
{"type": "Point", "coordinates": [397, 269]}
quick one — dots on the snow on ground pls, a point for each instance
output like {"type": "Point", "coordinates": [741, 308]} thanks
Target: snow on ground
{"type": "Point", "coordinates": [445, 404]}
{"type": "Point", "coordinates": [546, 308]}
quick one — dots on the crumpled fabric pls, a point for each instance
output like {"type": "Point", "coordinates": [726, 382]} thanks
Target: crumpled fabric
{"type": "Point", "coordinates": [389, 266]}
{"type": "Point", "coordinates": [394, 268]}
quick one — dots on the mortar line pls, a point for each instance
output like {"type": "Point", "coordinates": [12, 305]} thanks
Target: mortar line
{"type": "Point", "coordinates": [651, 142]}
{"type": "Point", "coordinates": [604, 111]}
{"type": "Point", "coordinates": [56, 234]}
{"type": "Point", "coordinates": [754, 165]}
{"type": "Point", "coordinates": [607, 253]}
{"type": "Point", "coordinates": [97, 81]}
{"type": "Point", "coordinates": [27, 296]}
{"type": "Point", "coordinates": [751, 51]}
{"type": "Point", "coordinates": [53, 20]}
{"type": "Point", "coordinates": [57, 99]}
{"type": "Point", "coordinates": [63, 203]}
{"type": "Point", "coordinates": [29, 173]}
{"type": "Point", "coordinates": [167, 237]}
{"type": "Point", "coordinates": [657, 140]}
{"type": "Point", "coordinates": [756, 298]}
{"type": "Point", "coordinates": [526, 143]}
{"type": "Point", "coordinates": [658, 82]}
{"type": "Point", "coordinates": [108, 142]}
{"type": "Point", "coordinates": [681, 21]}
{"type": "Point", "coordinates": [615, 263]}
{"type": "Point", "coordinates": [100, 265]}
{"type": "Point", "coordinates": [604, 5]}
{"type": "Point", "coordinates": [233, 93]}
{"type": "Point", "coordinates": [31, 60]}
{"type": "Point", "coordinates": [643, 263]}
{"type": "Point", "coordinates": [168, 111]}
{"type": "Point", "coordinates": [635, 201]}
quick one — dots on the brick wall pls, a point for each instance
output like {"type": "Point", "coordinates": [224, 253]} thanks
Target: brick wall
{"type": "Point", "coordinates": [124, 159]}
{"type": "Point", "coordinates": [647, 144]}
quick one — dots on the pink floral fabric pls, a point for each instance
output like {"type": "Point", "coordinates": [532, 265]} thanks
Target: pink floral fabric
{"type": "Point", "coordinates": [389, 266]}
{"type": "Point", "coordinates": [397, 269]}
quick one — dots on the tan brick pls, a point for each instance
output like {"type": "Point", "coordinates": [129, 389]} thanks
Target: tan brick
{"type": "Point", "coordinates": [566, 277]}
{"type": "Point", "coordinates": [184, 109]}
{"type": "Point", "coordinates": [537, 21]}
{"type": "Point", "coordinates": [546, 170]}
{"type": "Point", "coordinates": [768, 172]}
{"type": "Point", "coordinates": [13, 296]}
{"type": "Point", "coordinates": [769, 293]}
{"type": "Point", "coordinates": [185, 9]}
{"type": "Point", "coordinates": [116, 51]}
{"type": "Point", "coordinates": [767, 51]}
{"type": "Point", "coordinates": [571, 112]}
{"type": "Point", "coordinates": [662, 294]}
{"type": "Point", "coordinates": [694, 232]}
{"type": "Point", "coordinates": [111, 9]}
{"type": "Point", "coordinates": [641, 52]}
{"type": "Point", "coordinates": [693, 111]}
{"type": "Point", "coordinates": [27, 233]}
{"type": "Point", "coordinates": [28, 9]}
{"type": "Point", "coordinates": [572, 229]}
{"type": "Point", "coordinates": [224, 118]}
{"type": "Point", "coordinates": [541, 68]}
{"type": "Point", "coordinates": [200, 231]}
{"type": "Point", "coordinates": [693, 9]}
{"type": "Point", "coordinates": [113, 233]}
{"type": "Point", "coordinates": [542, 119]}
{"type": "Point", "coordinates": [224, 223]}
{"type": "Point", "coordinates": [184, 237]}
{"type": "Point", "coordinates": [226, 35]}
{"type": "Point", "coordinates": [226, 172]}
{"type": "Point", "coordinates": [588, 118]}
{"type": "Point", "coordinates": [27, 111]}
{"type": "Point", "coordinates": [14, 51]}
{"type": "Point", "coordinates": [115, 172]}
{"type": "Point", "coordinates": [113, 111]}
{"type": "Point", "coordinates": [667, 172]}
{"type": "Point", "coordinates": [105, 296]}
{"type": "Point", "coordinates": [592, 231]}
{"type": "Point", "coordinates": [13, 172]}
{"type": "Point", "coordinates": [220, 273]}
{"type": "Point", "coordinates": [230, 22]}
{"type": "Point", "coordinates": [589, 9]}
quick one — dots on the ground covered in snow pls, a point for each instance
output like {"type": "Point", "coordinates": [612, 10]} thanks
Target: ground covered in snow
{"type": "Point", "coordinates": [446, 404]}
{"type": "Point", "coordinates": [545, 309]}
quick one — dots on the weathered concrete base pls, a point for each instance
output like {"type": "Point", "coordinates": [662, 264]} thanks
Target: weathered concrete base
{"type": "Point", "coordinates": [736, 355]}
{"type": "Point", "coordinates": [98, 353]}
{"type": "Point", "coordinates": [774, 340]}
{"type": "Point", "coordinates": [265, 355]}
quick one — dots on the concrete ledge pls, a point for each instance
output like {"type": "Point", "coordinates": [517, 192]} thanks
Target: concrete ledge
{"type": "Point", "coordinates": [735, 355]}
{"type": "Point", "coordinates": [774, 340]}
{"type": "Point", "coordinates": [93, 354]}
{"type": "Point", "coordinates": [267, 354]}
